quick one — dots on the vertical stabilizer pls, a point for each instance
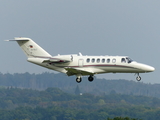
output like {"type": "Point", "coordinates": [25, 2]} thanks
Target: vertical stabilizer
{"type": "Point", "coordinates": [30, 48]}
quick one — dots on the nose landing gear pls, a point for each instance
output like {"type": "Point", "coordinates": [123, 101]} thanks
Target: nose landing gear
{"type": "Point", "coordinates": [138, 78]}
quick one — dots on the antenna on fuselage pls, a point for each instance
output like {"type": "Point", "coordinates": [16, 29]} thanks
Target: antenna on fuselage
{"type": "Point", "coordinates": [80, 54]}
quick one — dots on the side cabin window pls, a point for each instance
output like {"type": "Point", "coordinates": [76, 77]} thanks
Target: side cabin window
{"type": "Point", "coordinates": [123, 60]}
{"type": "Point", "coordinates": [108, 60]}
{"type": "Point", "coordinates": [93, 60]}
{"type": "Point", "coordinates": [98, 60]}
{"type": "Point", "coordinates": [88, 60]}
{"type": "Point", "coordinates": [113, 60]}
{"type": "Point", "coordinates": [103, 60]}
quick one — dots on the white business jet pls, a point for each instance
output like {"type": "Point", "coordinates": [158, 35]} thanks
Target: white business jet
{"type": "Point", "coordinates": [80, 65]}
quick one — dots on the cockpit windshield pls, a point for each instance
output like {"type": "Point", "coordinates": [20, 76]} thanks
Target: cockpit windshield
{"type": "Point", "coordinates": [129, 60]}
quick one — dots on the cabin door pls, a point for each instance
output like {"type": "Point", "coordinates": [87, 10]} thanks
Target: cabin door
{"type": "Point", "coordinates": [80, 63]}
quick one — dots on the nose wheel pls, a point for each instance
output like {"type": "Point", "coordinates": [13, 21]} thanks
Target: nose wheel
{"type": "Point", "coordinates": [138, 78]}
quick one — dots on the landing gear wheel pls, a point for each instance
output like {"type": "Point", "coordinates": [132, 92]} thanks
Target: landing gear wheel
{"type": "Point", "coordinates": [78, 80]}
{"type": "Point", "coordinates": [138, 78]}
{"type": "Point", "coordinates": [90, 78]}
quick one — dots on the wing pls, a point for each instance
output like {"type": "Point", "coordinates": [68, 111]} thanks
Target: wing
{"type": "Point", "coordinates": [76, 71]}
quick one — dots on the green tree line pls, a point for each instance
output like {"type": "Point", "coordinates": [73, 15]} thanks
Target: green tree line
{"type": "Point", "coordinates": [68, 84]}
{"type": "Point", "coordinates": [54, 104]}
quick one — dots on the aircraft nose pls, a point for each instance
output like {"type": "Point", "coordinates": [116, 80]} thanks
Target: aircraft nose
{"type": "Point", "coordinates": [149, 68]}
{"type": "Point", "coordinates": [145, 68]}
{"type": "Point", "coordinates": [152, 69]}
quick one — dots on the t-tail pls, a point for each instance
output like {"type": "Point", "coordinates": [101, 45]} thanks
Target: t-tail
{"type": "Point", "coordinates": [30, 48]}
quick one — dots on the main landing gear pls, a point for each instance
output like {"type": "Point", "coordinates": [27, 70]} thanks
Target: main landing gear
{"type": "Point", "coordinates": [79, 79]}
{"type": "Point", "coordinates": [138, 78]}
{"type": "Point", "coordinates": [90, 78]}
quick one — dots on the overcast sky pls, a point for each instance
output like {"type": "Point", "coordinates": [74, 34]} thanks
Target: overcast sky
{"type": "Point", "coordinates": [92, 27]}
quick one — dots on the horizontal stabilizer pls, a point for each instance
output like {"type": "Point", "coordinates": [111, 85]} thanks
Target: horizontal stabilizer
{"type": "Point", "coordinates": [18, 40]}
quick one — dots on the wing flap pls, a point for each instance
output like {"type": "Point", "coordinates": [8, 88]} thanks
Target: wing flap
{"type": "Point", "coordinates": [75, 71]}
